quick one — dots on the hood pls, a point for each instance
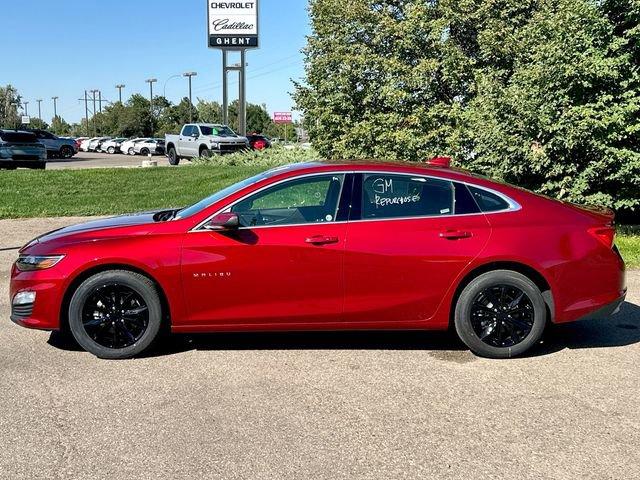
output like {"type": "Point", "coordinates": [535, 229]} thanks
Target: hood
{"type": "Point", "coordinates": [144, 218]}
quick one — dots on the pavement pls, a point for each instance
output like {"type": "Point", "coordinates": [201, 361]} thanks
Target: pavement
{"type": "Point", "coordinates": [104, 160]}
{"type": "Point", "coordinates": [319, 405]}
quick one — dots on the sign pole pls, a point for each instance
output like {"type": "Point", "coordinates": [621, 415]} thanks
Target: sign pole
{"type": "Point", "coordinates": [242, 110]}
{"type": "Point", "coordinates": [225, 88]}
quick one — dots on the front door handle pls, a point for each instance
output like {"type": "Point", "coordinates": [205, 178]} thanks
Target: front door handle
{"type": "Point", "coordinates": [321, 240]}
{"type": "Point", "coordinates": [455, 234]}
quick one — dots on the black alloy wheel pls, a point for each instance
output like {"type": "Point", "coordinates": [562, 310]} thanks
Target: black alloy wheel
{"type": "Point", "coordinates": [502, 316]}
{"type": "Point", "coordinates": [115, 316]}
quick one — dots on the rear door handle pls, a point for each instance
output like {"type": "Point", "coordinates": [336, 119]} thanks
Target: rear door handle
{"type": "Point", "coordinates": [455, 234]}
{"type": "Point", "coordinates": [321, 240]}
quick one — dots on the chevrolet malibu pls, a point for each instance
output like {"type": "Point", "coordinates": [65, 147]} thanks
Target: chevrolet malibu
{"type": "Point", "coordinates": [328, 246]}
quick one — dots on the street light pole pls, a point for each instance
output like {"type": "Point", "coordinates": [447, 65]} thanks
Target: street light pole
{"type": "Point", "coordinates": [189, 75]}
{"type": "Point", "coordinates": [151, 81]}
{"type": "Point", "coordinates": [120, 87]}
{"type": "Point", "coordinates": [55, 106]}
{"type": "Point", "coordinates": [39, 109]}
{"type": "Point", "coordinates": [26, 108]}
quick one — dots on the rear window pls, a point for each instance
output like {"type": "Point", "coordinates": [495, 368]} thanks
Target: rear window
{"type": "Point", "coordinates": [393, 196]}
{"type": "Point", "coordinates": [18, 137]}
{"type": "Point", "coordinates": [488, 201]}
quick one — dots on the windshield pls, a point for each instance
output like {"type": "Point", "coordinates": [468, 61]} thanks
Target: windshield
{"type": "Point", "coordinates": [219, 130]}
{"type": "Point", "coordinates": [216, 197]}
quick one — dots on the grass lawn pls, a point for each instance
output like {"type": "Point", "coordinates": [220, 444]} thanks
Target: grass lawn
{"type": "Point", "coordinates": [58, 193]}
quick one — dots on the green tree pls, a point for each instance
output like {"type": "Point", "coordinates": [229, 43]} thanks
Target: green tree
{"type": "Point", "coordinates": [209, 112]}
{"type": "Point", "coordinates": [39, 124]}
{"type": "Point", "coordinates": [10, 100]}
{"type": "Point", "coordinates": [542, 93]}
{"type": "Point", "coordinates": [60, 127]}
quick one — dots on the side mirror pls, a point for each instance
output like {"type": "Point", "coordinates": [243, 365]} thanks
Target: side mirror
{"type": "Point", "coordinates": [223, 221]}
{"type": "Point", "coordinates": [195, 135]}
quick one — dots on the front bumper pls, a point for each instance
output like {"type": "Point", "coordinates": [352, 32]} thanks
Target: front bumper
{"type": "Point", "coordinates": [44, 313]}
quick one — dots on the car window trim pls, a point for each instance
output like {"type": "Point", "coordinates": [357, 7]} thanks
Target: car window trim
{"type": "Point", "coordinates": [513, 205]}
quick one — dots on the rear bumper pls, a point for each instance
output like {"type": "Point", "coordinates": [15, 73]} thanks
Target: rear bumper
{"type": "Point", "coordinates": [606, 310]}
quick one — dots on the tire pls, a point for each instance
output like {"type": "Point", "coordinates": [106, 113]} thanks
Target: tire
{"type": "Point", "coordinates": [97, 320]}
{"type": "Point", "coordinates": [66, 152]}
{"type": "Point", "coordinates": [111, 150]}
{"type": "Point", "coordinates": [205, 152]}
{"type": "Point", "coordinates": [144, 151]}
{"type": "Point", "coordinates": [173, 157]}
{"type": "Point", "coordinates": [488, 321]}
{"type": "Point", "coordinates": [131, 151]}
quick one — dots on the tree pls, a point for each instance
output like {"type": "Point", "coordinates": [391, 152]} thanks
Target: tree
{"type": "Point", "coordinates": [39, 124]}
{"type": "Point", "coordinates": [60, 127]}
{"type": "Point", "coordinates": [9, 103]}
{"type": "Point", "coordinates": [542, 93]}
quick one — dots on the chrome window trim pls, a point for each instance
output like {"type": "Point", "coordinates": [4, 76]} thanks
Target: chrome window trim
{"type": "Point", "coordinates": [513, 205]}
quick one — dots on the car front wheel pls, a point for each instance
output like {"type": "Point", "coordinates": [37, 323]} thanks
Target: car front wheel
{"type": "Point", "coordinates": [500, 314]}
{"type": "Point", "coordinates": [115, 314]}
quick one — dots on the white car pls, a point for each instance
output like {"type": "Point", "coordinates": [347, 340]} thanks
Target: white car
{"type": "Point", "coordinates": [95, 145]}
{"type": "Point", "coordinates": [84, 145]}
{"type": "Point", "coordinates": [150, 146]}
{"type": "Point", "coordinates": [127, 147]}
{"type": "Point", "coordinates": [113, 145]}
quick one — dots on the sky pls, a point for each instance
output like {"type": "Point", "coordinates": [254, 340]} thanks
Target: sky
{"type": "Point", "coordinates": [60, 48]}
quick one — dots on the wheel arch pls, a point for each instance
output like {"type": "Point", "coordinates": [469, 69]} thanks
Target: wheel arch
{"type": "Point", "coordinates": [89, 272]}
{"type": "Point", "coordinates": [528, 271]}
{"type": "Point", "coordinates": [169, 146]}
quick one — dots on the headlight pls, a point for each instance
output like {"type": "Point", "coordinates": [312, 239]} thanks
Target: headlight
{"type": "Point", "coordinates": [29, 263]}
{"type": "Point", "coordinates": [214, 144]}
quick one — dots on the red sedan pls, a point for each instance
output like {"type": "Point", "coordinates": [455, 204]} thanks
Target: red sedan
{"type": "Point", "coordinates": [328, 246]}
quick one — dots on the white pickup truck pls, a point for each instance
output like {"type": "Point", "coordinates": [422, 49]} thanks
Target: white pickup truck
{"type": "Point", "coordinates": [203, 140]}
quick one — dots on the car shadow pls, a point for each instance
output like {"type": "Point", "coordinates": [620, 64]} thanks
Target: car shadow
{"type": "Point", "coordinates": [619, 330]}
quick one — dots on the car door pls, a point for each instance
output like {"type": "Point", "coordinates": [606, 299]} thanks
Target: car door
{"type": "Point", "coordinates": [47, 140]}
{"type": "Point", "coordinates": [283, 266]}
{"type": "Point", "coordinates": [187, 142]}
{"type": "Point", "coordinates": [409, 238]}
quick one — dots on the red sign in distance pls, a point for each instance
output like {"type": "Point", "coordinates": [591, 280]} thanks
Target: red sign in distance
{"type": "Point", "coordinates": [282, 117]}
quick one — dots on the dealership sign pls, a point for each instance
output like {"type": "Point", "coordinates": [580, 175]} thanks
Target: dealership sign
{"type": "Point", "coordinates": [232, 25]}
{"type": "Point", "coordinates": [282, 117]}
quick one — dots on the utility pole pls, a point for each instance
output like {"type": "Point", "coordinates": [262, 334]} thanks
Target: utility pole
{"type": "Point", "coordinates": [151, 81]}
{"type": "Point", "coordinates": [39, 109]}
{"type": "Point", "coordinates": [120, 87]}
{"type": "Point", "coordinates": [100, 100]}
{"type": "Point", "coordinates": [86, 111]}
{"type": "Point", "coordinates": [55, 106]}
{"type": "Point", "coordinates": [94, 111]}
{"type": "Point", "coordinates": [189, 75]}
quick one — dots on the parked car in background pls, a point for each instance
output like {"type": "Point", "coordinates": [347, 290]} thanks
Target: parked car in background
{"type": "Point", "coordinates": [203, 140]}
{"type": "Point", "coordinates": [84, 145]}
{"type": "Point", "coordinates": [258, 142]}
{"type": "Point", "coordinates": [329, 246]}
{"type": "Point", "coordinates": [153, 146]}
{"type": "Point", "coordinates": [127, 146]}
{"type": "Point", "coordinates": [100, 142]}
{"type": "Point", "coordinates": [113, 145]}
{"type": "Point", "coordinates": [57, 147]}
{"type": "Point", "coordinates": [95, 142]}
{"type": "Point", "coordinates": [21, 149]}
{"type": "Point", "coordinates": [79, 141]}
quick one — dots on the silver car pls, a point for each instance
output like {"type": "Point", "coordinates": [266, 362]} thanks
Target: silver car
{"type": "Point", "coordinates": [56, 146]}
{"type": "Point", "coordinates": [151, 146]}
{"type": "Point", "coordinates": [113, 145]}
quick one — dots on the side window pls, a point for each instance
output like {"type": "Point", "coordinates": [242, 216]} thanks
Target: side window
{"type": "Point", "coordinates": [304, 200]}
{"type": "Point", "coordinates": [487, 201]}
{"type": "Point", "coordinates": [187, 131]}
{"type": "Point", "coordinates": [465, 204]}
{"type": "Point", "coordinates": [392, 196]}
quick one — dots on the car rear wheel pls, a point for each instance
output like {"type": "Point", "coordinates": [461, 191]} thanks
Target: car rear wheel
{"type": "Point", "coordinates": [66, 152]}
{"type": "Point", "coordinates": [111, 150]}
{"type": "Point", "coordinates": [500, 314]}
{"type": "Point", "coordinates": [173, 157]}
{"type": "Point", "coordinates": [115, 314]}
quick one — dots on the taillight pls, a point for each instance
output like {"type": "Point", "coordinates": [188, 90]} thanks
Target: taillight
{"type": "Point", "coordinates": [606, 235]}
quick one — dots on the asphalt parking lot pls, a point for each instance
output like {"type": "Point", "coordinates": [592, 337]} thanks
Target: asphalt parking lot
{"type": "Point", "coordinates": [104, 160]}
{"type": "Point", "coordinates": [324, 405]}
